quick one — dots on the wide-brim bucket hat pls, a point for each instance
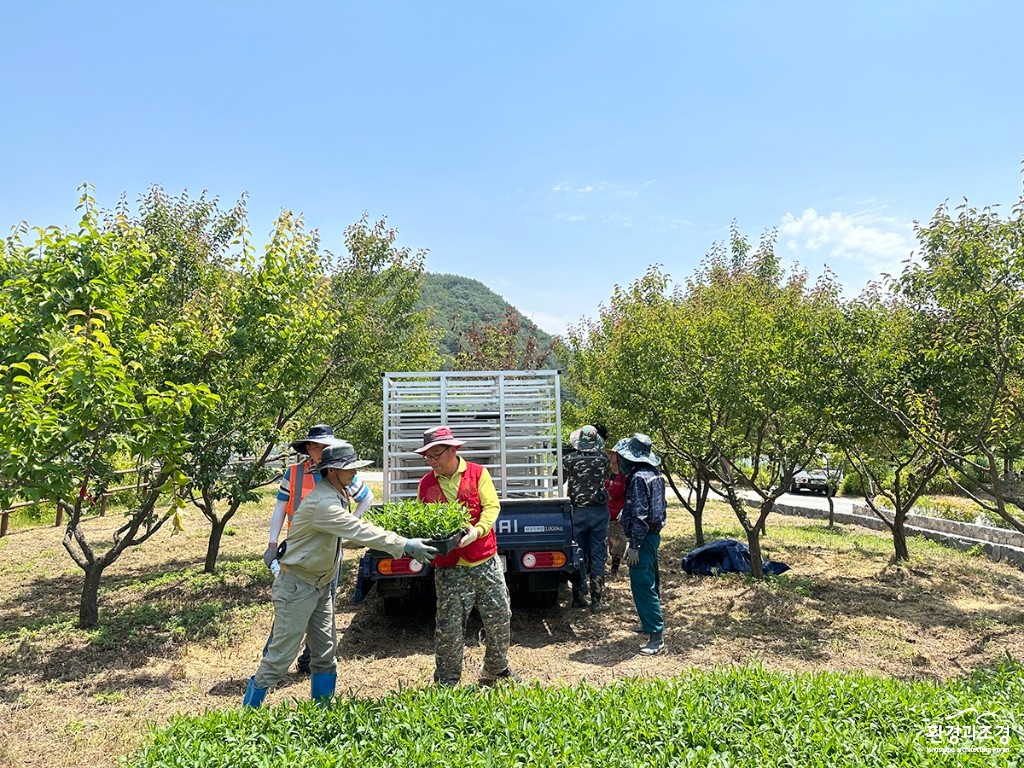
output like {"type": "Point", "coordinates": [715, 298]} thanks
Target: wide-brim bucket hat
{"type": "Point", "coordinates": [438, 436]}
{"type": "Point", "coordinates": [318, 433]}
{"type": "Point", "coordinates": [586, 439]}
{"type": "Point", "coordinates": [340, 456]}
{"type": "Point", "coordinates": [637, 449]}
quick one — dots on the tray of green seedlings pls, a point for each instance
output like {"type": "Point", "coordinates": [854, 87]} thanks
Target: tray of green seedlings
{"type": "Point", "coordinates": [441, 523]}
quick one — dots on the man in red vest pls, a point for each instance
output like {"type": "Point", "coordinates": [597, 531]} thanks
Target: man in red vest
{"type": "Point", "coordinates": [471, 574]}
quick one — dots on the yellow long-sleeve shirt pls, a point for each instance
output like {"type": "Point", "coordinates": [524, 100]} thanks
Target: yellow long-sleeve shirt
{"type": "Point", "coordinates": [490, 507]}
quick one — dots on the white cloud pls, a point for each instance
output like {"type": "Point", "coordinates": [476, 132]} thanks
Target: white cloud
{"type": "Point", "coordinates": [864, 244]}
{"type": "Point", "coordinates": [612, 188]}
{"type": "Point", "coordinates": [585, 189]}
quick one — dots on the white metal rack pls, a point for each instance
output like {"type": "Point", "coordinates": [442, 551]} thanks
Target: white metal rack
{"type": "Point", "coordinates": [510, 420]}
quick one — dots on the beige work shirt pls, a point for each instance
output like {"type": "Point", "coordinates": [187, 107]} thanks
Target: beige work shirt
{"type": "Point", "coordinates": [321, 526]}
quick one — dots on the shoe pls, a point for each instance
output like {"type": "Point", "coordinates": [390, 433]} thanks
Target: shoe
{"type": "Point", "coordinates": [302, 663]}
{"type": "Point", "coordinates": [598, 600]}
{"type": "Point", "coordinates": [253, 695]}
{"type": "Point", "coordinates": [578, 600]}
{"type": "Point", "coordinates": [655, 645]}
{"type": "Point", "coordinates": [508, 676]}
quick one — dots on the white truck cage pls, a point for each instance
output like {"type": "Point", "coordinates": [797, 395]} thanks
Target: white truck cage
{"type": "Point", "coordinates": [511, 422]}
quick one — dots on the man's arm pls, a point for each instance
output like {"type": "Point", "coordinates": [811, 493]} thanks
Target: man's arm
{"type": "Point", "coordinates": [361, 495]}
{"type": "Point", "coordinates": [284, 492]}
{"type": "Point", "coordinates": [638, 502]}
{"type": "Point", "coordinates": [490, 507]}
{"type": "Point", "coordinates": [332, 517]}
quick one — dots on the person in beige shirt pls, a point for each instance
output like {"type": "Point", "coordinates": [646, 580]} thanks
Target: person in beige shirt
{"type": "Point", "coordinates": [303, 603]}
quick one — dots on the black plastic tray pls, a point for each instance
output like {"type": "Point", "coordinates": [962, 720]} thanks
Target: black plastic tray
{"type": "Point", "coordinates": [448, 543]}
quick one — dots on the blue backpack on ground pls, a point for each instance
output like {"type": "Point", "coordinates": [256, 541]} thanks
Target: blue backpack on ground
{"type": "Point", "coordinates": [725, 556]}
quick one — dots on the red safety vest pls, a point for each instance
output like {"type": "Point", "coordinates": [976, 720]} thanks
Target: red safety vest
{"type": "Point", "coordinates": [616, 487]}
{"type": "Point", "coordinates": [301, 482]}
{"type": "Point", "coordinates": [469, 494]}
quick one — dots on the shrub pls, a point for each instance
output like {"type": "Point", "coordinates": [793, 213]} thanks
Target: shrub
{"type": "Point", "coordinates": [416, 519]}
{"type": "Point", "coordinates": [853, 485]}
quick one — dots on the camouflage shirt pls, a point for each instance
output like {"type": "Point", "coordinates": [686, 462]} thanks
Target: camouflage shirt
{"type": "Point", "coordinates": [585, 472]}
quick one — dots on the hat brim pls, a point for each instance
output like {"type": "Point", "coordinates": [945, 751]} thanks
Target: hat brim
{"type": "Point", "coordinates": [299, 446]}
{"type": "Point", "coordinates": [446, 441]}
{"type": "Point", "coordinates": [651, 458]}
{"type": "Point", "coordinates": [360, 464]}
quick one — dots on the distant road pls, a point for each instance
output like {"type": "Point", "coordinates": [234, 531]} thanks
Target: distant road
{"type": "Point", "coordinates": [806, 500]}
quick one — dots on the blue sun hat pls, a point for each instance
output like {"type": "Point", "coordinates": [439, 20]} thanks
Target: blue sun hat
{"type": "Point", "coordinates": [321, 434]}
{"type": "Point", "coordinates": [586, 439]}
{"type": "Point", "coordinates": [637, 449]}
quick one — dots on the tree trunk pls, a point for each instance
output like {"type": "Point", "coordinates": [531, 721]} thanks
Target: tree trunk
{"type": "Point", "coordinates": [754, 544]}
{"type": "Point", "coordinates": [213, 544]}
{"type": "Point", "coordinates": [899, 538]}
{"type": "Point", "coordinates": [698, 526]}
{"type": "Point", "coordinates": [89, 608]}
{"type": "Point", "coordinates": [831, 512]}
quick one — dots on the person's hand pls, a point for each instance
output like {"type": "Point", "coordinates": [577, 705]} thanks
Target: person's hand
{"type": "Point", "coordinates": [271, 554]}
{"type": "Point", "coordinates": [419, 550]}
{"type": "Point", "coordinates": [632, 557]}
{"type": "Point", "coordinates": [472, 534]}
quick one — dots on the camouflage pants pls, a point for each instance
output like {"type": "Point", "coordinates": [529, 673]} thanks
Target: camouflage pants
{"type": "Point", "coordinates": [459, 589]}
{"type": "Point", "coordinates": [616, 542]}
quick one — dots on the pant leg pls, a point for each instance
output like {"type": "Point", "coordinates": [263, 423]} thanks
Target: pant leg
{"type": "Point", "coordinates": [643, 582]}
{"type": "Point", "coordinates": [294, 604]}
{"type": "Point", "coordinates": [322, 633]}
{"type": "Point", "coordinates": [581, 524]}
{"type": "Point", "coordinates": [454, 602]}
{"type": "Point", "coordinates": [598, 540]}
{"type": "Point", "coordinates": [591, 527]}
{"type": "Point", "coordinates": [616, 540]}
{"type": "Point", "coordinates": [492, 601]}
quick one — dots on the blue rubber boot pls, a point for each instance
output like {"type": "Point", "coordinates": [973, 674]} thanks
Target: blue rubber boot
{"type": "Point", "coordinates": [253, 695]}
{"type": "Point", "coordinates": [321, 686]}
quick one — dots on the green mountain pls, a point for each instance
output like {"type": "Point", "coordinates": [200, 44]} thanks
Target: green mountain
{"type": "Point", "coordinates": [458, 303]}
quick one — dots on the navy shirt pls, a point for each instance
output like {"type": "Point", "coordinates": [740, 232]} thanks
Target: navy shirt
{"type": "Point", "coordinates": [644, 511]}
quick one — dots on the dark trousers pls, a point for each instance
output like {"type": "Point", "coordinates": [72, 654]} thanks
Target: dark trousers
{"type": "Point", "coordinates": [590, 526]}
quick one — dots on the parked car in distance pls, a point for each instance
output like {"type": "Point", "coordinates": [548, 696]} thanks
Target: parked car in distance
{"type": "Point", "coordinates": [814, 480]}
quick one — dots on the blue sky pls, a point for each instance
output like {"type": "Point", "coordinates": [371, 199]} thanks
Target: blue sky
{"type": "Point", "coordinates": [548, 149]}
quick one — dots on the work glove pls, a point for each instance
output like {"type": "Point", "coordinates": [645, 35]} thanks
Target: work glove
{"type": "Point", "coordinates": [632, 557]}
{"type": "Point", "coordinates": [419, 550]}
{"type": "Point", "coordinates": [271, 554]}
{"type": "Point", "coordinates": [472, 534]}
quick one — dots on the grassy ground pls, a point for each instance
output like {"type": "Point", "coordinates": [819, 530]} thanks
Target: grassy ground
{"type": "Point", "coordinates": [173, 640]}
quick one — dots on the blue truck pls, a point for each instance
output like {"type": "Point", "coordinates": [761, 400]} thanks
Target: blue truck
{"type": "Point", "coordinates": [511, 422]}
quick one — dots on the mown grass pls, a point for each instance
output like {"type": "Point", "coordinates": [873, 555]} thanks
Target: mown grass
{"type": "Point", "coordinates": [737, 716]}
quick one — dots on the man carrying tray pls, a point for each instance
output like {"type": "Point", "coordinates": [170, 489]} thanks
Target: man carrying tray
{"type": "Point", "coordinates": [471, 574]}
